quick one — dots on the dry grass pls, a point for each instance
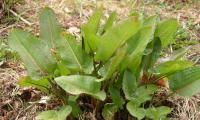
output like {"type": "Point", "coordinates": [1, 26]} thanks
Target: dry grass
{"type": "Point", "coordinates": [185, 108]}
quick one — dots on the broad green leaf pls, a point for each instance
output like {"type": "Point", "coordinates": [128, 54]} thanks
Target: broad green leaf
{"type": "Point", "coordinates": [110, 21]}
{"type": "Point", "coordinates": [76, 111]}
{"type": "Point", "coordinates": [186, 82]}
{"type": "Point", "coordinates": [91, 40]}
{"type": "Point", "coordinates": [170, 67]}
{"type": "Point", "coordinates": [33, 52]}
{"type": "Point", "coordinates": [63, 45]}
{"type": "Point", "coordinates": [54, 114]}
{"type": "Point", "coordinates": [116, 36]}
{"type": "Point", "coordinates": [149, 60]}
{"type": "Point", "coordinates": [113, 64]}
{"type": "Point", "coordinates": [89, 31]}
{"type": "Point", "coordinates": [73, 56]}
{"type": "Point", "coordinates": [166, 30]}
{"type": "Point", "coordinates": [42, 84]}
{"type": "Point", "coordinates": [78, 84]}
{"type": "Point", "coordinates": [137, 45]}
{"type": "Point", "coordinates": [135, 111]}
{"type": "Point", "coordinates": [158, 113]}
{"type": "Point", "coordinates": [109, 111]}
{"type": "Point", "coordinates": [129, 84]}
{"type": "Point", "coordinates": [116, 97]}
{"type": "Point", "coordinates": [49, 28]}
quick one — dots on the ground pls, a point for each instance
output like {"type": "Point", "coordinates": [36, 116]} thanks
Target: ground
{"type": "Point", "coordinates": [24, 103]}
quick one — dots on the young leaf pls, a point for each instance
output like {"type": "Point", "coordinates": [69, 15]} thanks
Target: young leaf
{"type": "Point", "coordinates": [109, 111]}
{"type": "Point", "coordinates": [135, 110]}
{"type": "Point", "coordinates": [116, 36]}
{"type": "Point", "coordinates": [137, 45]}
{"type": "Point", "coordinates": [90, 29]}
{"type": "Point", "coordinates": [78, 84]}
{"type": "Point", "coordinates": [42, 84]}
{"type": "Point", "coordinates": [166, 30]}
{"type": "Point", "coordinates": [149, 60]}
{"type": "Point", "coordinates": [55, 115]}
{"type": "Point", "coordinates": [116, 97]}
{"type": "Point", "coordinates": [110, 21]}
{"type": "Point", "coordinates": [129, 84]}
{"type": "Point", "coordinates": [33, 52]}
{"type": "Point", "coordinates": [186, 82]}
{"type": "Point", "coordinates": [170, 67]}
{"type": "Point", "coordinates": [114, 62]}
{"type": "Point", "coordinates": [158, 113]}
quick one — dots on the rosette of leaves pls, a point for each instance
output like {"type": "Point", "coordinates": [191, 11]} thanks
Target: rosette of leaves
{"type": "Point", "coordinates": [117, 66]}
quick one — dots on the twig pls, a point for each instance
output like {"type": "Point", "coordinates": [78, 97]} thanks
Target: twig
{"type": "Point", "coordinates": [3, 29]}
{"type": "Point", "coordinates": [20, 17]}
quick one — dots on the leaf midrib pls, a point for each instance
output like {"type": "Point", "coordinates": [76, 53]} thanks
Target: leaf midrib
{"type": "Point", "coordinates": [50, 30]}
{"type": "Point", "coordinates": [30, 56]}
{"type": "Point", "coordinates": [76, 58]}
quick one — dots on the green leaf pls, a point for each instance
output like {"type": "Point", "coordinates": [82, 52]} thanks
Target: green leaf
{"type": "Point", "coordinates": [137, 45]}
{"type": "Point", "coordinates": [33, 52]}
{"type": "Point", "coordinates": [135, 111]}
{"type": "Point", "coordinates": [50, 30]}
{"type": "Point", "coordinates": [64, 45]}
{"type": "Point", "coordinates": [63, 70]}
{"type": "Point", "coordinates": [78, 84]}
{"type": "Point", "coordinates": [116, 97]}
{"type": "Point", "coordinates": [110, 21]}
{"type": "Point", "coordinates": [55, 115]}
{"type": "Point", "coordinates": [90, 29]}
{"type": "Point", "coordinates": [166, 30]}
{"type": "Point", "coordinates": [116, 36]}
{"type": "Point", "coordinates": [186, 82]}
{"type": "Point", "coordinates": [42, 84]}
{"type": "Point", "coordinates": [113, 64]}
{"type": "Point", "coordinates": [129, 84]}
{"type": "Point", "coordinates": [170, 67]}
{"type": "Point", "coordinates": [109, 111]}
{"type": "Point", "coordinates": [158, 113]}
{"type": "Point", "coordinates": [143, 93]}
{"type": "Point", "coordinates": [73, 56]}
{"type": "Point", "coordinates": [76, 111]}
{"type": "Point", "coordinates": [149, 60]}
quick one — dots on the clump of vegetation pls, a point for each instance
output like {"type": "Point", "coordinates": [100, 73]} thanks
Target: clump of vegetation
{"type": "Point", "coordinates": [116, 68]}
